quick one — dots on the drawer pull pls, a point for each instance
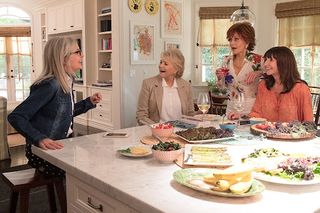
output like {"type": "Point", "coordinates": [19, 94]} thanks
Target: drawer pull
{"type": "Point", "coordinates": [99, 207]}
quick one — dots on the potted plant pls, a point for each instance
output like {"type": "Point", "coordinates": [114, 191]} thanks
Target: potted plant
{"type": "Point", "coordinates": [218, 95]}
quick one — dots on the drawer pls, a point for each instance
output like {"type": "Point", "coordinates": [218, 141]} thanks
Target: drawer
{"type": "Point", "coordinates": [101, 115]}
{"type": "Point", "coordinates": [104, 105]}
{"type": "Point", "coordinates": [85, 198]}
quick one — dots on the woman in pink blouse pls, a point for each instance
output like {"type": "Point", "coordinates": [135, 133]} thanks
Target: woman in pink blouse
{"type": "Point", "coordinates": [282, 95]}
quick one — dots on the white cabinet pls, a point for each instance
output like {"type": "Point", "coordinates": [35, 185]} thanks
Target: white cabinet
{"type": "Point", "coordinates": [66, 17]}
{"type": "Point", "coordinates": [101, 116]}
{"type": "Point", "coordinates": [84, 198]}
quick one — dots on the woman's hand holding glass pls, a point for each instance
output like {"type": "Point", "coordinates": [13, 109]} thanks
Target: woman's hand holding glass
{"type": "Point", "coordinates": [203, 102]}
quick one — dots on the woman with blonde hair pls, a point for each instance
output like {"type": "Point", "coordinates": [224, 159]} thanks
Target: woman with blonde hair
{"type": "Point", "coordinates": [166, 96]}
{"type": "Point", "coordinates": [47, 113]}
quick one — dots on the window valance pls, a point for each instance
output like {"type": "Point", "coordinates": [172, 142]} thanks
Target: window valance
{"type": "Point", "coordinates": [216, 12]}
{"type": "Point", "coordinates": [15, 31]}
{"type": "Point", "coordinates": [298, 8]}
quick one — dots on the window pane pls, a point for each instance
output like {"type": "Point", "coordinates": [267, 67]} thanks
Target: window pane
{"type": "Point", "coordinates": [221, 53]}
{"type": "Point", "coordinates": [206, 73]}
{"type": "Point", "coordinates": [206, 55]}
{"type": "Point", "coordinates": [307, 58]}
{"type": "Point", "coordinates": [317, 57]}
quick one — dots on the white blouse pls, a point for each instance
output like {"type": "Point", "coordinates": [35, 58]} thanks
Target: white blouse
{"type": "Point", "coordinates": [171, 104]}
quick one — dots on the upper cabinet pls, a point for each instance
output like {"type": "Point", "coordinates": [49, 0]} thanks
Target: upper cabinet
{"type": "Point", "coordinates": [65, 18]}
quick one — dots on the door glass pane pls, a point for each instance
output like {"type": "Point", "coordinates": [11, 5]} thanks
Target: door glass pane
{"type": "Point", "coordinates": [3, 76]}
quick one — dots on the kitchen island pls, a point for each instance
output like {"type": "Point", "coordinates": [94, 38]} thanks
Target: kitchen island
{"type": "Point", "coordinates": [98, 179]}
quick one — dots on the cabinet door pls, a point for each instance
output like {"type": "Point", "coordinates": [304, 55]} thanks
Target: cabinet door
{"type": "Point", "coordinates": [52, 22]}
{"type": "Point", "coordinates": [77, 15]}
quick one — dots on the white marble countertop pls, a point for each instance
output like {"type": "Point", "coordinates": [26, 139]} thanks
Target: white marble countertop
{"type": "Point", "coordinates": [148, 186]}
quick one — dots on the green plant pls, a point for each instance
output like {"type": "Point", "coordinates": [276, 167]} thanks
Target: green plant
{"type": "Point", "coordinates": [214, 89]}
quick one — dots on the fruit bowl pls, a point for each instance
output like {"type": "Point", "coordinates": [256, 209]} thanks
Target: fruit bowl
{"type": "Point", "coordinates": [228, 126]}
{"type": "Point", "coordinates": [162, 130]}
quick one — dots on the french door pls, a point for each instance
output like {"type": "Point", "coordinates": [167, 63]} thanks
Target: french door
{"type": "Point", "coordinates": [15, 67]}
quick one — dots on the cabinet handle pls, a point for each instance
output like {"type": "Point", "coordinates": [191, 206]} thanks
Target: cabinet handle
{"type": "Point", "coordinates": [99, 207]}
{"type": "Point", "coordinates": [54, 29]}
{"type": "Point", "coordinates": [71, 26]}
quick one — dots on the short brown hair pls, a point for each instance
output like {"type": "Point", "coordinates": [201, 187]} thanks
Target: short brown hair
{"type": "Point", "coordinates": [246, 31]}
{"type": "Point", "coordinates": [177, 59]}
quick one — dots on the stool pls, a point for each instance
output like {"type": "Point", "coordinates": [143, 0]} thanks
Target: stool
{"type": "Point", "coordinates": [22, 181]}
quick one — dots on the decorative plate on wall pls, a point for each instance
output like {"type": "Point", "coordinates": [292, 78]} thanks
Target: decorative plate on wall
{"type": "Point", "coordinates": [135, 5]}
{"type": "Point", "coordinates": [152, 6]}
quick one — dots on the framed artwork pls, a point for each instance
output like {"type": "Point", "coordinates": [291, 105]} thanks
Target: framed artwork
{"type": "Point", "coordinates": [142, 43]}
{"type": "Point", "coordinates": [171, 18]}
{"type": "Point", "coordinates": [171, 45]}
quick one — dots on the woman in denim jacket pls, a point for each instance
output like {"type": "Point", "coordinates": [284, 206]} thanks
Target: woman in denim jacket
{"type": "Point", "coordinates": [47, 114]}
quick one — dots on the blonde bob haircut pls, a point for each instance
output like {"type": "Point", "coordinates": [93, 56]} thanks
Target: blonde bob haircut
{"type": "Point", "coordinates": [177, 60]}
{"type": "Point", "coordinates": [56, 60]}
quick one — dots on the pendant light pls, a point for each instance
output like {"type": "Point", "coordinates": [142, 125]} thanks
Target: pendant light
{"type": "Point", "coordinates": [243, 14]}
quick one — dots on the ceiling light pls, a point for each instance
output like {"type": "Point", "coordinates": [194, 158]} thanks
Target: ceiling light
{"type": "Point", "coordinates": [243, 14]}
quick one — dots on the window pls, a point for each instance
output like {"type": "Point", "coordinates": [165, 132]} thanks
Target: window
{"type": "Point", "coordinates": [308, 61]}
{"type": "Point", "coordinates": [300, 31]}
{"type": "Point", "coordinates": [213, 45]}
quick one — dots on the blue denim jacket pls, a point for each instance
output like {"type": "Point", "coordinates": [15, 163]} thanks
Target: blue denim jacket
{"type": "Point", "coordinates": [46, 113]}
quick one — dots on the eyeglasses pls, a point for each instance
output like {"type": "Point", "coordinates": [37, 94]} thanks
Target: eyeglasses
{"type": "Point", "coordinates": [79, 52]}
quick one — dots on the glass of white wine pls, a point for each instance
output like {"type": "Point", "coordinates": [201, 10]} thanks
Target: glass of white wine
{"type": "Point", "coordinates": [203, 103]}
{"type": "Point", "coordinates": [239, 104]}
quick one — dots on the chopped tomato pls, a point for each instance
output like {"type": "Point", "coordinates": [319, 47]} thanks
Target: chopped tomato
{"type": "Point", "coordinates": [163, 126]}
{"type": "Point", "coordinates": [262, 126]}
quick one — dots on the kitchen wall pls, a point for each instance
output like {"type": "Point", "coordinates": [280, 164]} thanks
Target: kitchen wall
{"type": "Point", "coordinates": [132, 75]}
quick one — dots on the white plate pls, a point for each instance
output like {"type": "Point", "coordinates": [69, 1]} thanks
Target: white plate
{"type": "Point", "coordinates": [208, 117]}
{"type": "Point", "coordinates": [279, 180]}
{"type": "Point", "coordinates": [189, 161]}
{"type": "Point", "coordinates": [121, 152]}
{"type": "Point", "coordinates": [184, 176]}
{"type": "Point", "coordinates": [206, 141]}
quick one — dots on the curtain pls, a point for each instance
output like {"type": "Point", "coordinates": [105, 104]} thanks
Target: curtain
{"type": "Point", "coordinates": [299, 23]}
{"type": "Point", "coordinates": [214, 23]}
{"type": "Point", "coordinates": [299, 31]}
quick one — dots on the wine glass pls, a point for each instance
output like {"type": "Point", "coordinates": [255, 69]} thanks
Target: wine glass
{"type": "Point", "coordinates": [239, 104]}
{"type": "Point", "coordinates": [203, 103]}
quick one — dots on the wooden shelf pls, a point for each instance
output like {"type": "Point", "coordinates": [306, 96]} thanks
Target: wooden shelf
{"type": "Point", "coordinates": [105, 69]}
{"type": "Point", "coordinates": [105, 33]}
{"type": "Point", "coordinates": [104, 14]}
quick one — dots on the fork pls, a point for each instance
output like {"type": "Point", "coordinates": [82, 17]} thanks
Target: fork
{"type": "Point", "coordinates": [188, 158]}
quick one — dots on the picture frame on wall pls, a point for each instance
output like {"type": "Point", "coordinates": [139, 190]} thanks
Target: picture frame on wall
{"type": "Point", "coordinates": [142, 43]}
{"type": "Point", "coordinates": [171, 18]}
{"type": "Point", "coordinates": [171, 45]}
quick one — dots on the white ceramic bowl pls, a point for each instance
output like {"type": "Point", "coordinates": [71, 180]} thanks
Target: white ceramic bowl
{"type": "Point", "coordinates": [162, 133]}
{"type": "Point", "coordinates": [229, 126]}
{"type": "Point", "coordinates": [166, 156]}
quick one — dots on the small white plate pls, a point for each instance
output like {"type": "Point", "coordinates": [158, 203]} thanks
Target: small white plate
{"type": "Point", "coordinates": [134, 155]}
